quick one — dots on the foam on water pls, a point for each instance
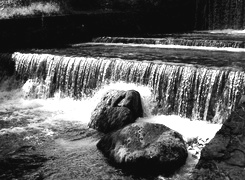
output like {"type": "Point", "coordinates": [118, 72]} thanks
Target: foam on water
{"type": "Point", "coordinates": [67, 109]}
{"type": "Point", "coordinates": [57, 108]}
{"type": "Point", "coordinates": [42, 114]}
{"type": "Point", "coordinates": [228, 31]}
{"type": "Point", "coordinates": [162, 46]}
{"type": "Point", "coordinates": [189, 129]}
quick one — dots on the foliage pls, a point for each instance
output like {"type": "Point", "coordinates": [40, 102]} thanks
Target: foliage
{"type": "Point", "coordinates": [16, 8]}
{"type": "Point", "coordinates": [19, 8]}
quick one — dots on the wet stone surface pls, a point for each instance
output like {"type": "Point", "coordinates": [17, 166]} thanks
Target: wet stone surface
{"type": "Point", "coordinates": [224, 155]}
{"type": "Point", "coordinates": [62, 150]}
{"type": "Point", "coordinates": [42, 139]}
{"type": "Point", "coordinates": [116, 110]}
{"type": "Point", "coordinates": [145, 149]}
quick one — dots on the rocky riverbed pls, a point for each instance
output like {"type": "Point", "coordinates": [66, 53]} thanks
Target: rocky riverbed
{"type": "Point", "coordinates": [50, 139]}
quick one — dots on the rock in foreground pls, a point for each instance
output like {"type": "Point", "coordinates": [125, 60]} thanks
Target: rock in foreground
{"type": "Point", "coordinates": [116, 109]}
{"type": "Point", "coordinates": [145, 148]}
{"type": "Point", "coordinates": [224, 156]}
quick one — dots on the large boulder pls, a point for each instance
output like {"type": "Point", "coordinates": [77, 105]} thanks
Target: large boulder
{"type": "Point", "coordinates": [116, 109]}
{"type": "Point", "coordinates": [224, 156]}
{"type": "Point", "coordinates": [145, 148]}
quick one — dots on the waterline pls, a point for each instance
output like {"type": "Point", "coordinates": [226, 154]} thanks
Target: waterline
{"type": "Point", "coordinates": [162, 46]}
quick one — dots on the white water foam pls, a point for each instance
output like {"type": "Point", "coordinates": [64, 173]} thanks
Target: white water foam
{"type": "Point", "coordinates": [190, 129]}
{"type": "Point", "coordinates": [44, 113]}
{"type": "Point", "coordinates": [163, 46]}
{"type": "Point", "coordinates": [55, 109]}
{"type": "Point", "coordinates": [67, 109]}
{"type": "Point", "coordinates": [228, 31]}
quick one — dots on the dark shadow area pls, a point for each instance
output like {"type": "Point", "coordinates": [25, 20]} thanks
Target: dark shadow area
{"type": "Point", "coordinates": [144, 169]}
{"type": "Point", "coordinates": [92, 19]}
{"type": "Point", "coordinates": [7, 66]}
{"type": "Point", "coordinates": [20, 162]}
{"type": "Point", "coordinates": [139, 18]}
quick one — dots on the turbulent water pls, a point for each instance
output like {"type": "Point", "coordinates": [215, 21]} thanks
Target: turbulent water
{"type": "Point", "coordinates": [220, 14]}
{"type": "Point", "coordinates": [186, 40]}
{"type": "Point", "coordinates": [55, 131]}
{"type": "Point", "coordinates": [47, 101]}
{"type": "Point", "coordinates": [203, 85]}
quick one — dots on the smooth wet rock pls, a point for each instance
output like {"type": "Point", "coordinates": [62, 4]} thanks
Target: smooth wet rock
{"type": "Point", "coordinates": [224, 155]}
{"type": "Point", "coordinates": [145, 148]}
{"type": "Point", "coordinates": [116, 109]}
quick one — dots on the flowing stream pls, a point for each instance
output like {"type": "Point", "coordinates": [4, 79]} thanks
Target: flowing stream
{"type": "Point", "coordinates": [47, 96]}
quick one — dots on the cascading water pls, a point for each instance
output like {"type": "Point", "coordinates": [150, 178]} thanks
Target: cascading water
{"type": "Point", "coordinates": [220, 14]}
{"type": "Point", "coordinates": [196, 92]}
{"type": "Point", "coordinates": [186, 40]}
{"type": "Point", "coordinates": [46, 96]}
{"type": "Point", "coordinates": [61, 88]}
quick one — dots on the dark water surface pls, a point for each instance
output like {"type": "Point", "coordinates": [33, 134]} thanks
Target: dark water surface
{"type": "Point", "coordinates": [209, 57]}
{"type": "Point", "coordinates": [48, 138]}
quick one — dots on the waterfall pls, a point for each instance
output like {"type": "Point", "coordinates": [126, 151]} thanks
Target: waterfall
{"type": "Point", "coordinates": [220, 14]}
{"type": "Point", "coordinates": [189, 40]}
{"type": "Point", "coordinates": [195, 92]}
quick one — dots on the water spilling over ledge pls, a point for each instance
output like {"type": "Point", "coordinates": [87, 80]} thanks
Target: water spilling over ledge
{"type": "Point", "coordinates": [51, 111]}
{"type": "Point", "coordinates": [181, 84]}
{"type": "Point", "coordinates": [226, 39]}
{"type": "Point", "coordinates": [191, 39]}
{"type": "Point", "coordinates": [220, 14]}
{"type": "Point", "coordinates": [43, 124]}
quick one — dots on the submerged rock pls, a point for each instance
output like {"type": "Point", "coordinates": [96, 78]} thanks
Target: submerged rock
{"type": "Point", "coordinates": [145, 148]}
{"type": "Point", "coordinates": [224, 155]}
{"type": "Point", "coordinates": [116, 109]}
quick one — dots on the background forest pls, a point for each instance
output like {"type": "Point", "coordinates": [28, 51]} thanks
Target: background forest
{"type": "Point", "coordinates": [19, 8]}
